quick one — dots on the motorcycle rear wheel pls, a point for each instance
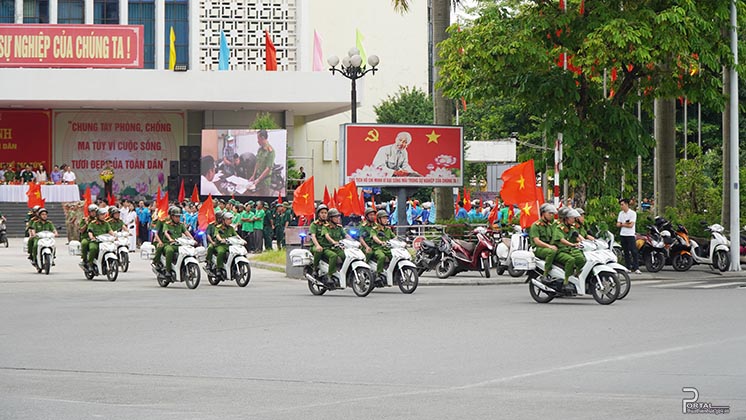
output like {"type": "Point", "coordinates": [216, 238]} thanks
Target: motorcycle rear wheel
{"type": "Point", "coordinates": [540, 296]}
{"type": "Point", "coordinates": [624, 283]}
{"type": "Point", "coordinates": [514, 272]}
{"type": "Point", "coordinates": [605, 288]}
{"type": "Point", "coordinates": [88, 274]}
{"type": "Point", "coordinates": [361, 281]}
{"type": "Point", "coordinates": [162, 281]}
{"type": "Point", "coordinates": [5, 240]}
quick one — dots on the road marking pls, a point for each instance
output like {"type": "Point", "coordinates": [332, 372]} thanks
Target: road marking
{"type": "Point", "coordinates": [712, 286]}
{"type": "Point", "coordinates": [679, 283]}
{"type": "Point", "coordinates": [647, 282]}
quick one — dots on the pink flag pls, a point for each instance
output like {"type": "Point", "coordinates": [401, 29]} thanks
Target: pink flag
{"type": "Point", "coordinates": [318, 55]}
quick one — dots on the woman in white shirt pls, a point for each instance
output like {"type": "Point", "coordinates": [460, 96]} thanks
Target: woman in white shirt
{"type": "Point", "coordinates": [41, 174]}
{"type": "Point", "coordinates": [129, 218]}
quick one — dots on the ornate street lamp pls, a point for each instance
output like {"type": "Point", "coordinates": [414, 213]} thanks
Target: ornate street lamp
{"type": "Point", "coordinates": [352, 69]}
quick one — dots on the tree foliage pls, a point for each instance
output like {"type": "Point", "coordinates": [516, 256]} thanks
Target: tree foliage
{"type": "Point", "coordinates": [410, 105]}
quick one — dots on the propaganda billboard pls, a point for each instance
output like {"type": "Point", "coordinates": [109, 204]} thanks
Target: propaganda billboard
{"type": "Point", "coordinates": [72, 46]}
{"type": "Point", "coordinates": [402, 155]}
{"type": "Point", "coordinates": [26, 138]}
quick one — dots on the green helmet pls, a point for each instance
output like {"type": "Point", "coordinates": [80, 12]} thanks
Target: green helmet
{"type": "Point", "coordinates": [369, 210]}
{"type": "Point", "coordinates": [113, 210]}
{"type": "Point", "coordinates": [382, 213]}
{"type": "Point", "coordinates": [174, 211]}
{"type": "Point", "coordinates": [218, 215]}
{"type": "Point", "coordinates": [321, 207]}
{"type": "Point", "coordinates": [334, 213]}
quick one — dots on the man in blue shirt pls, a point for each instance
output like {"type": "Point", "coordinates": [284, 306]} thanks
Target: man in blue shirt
{"type": "Point", "coordinates": [143, 222]}
{"type": "Point", "coordinates": [461, 213]}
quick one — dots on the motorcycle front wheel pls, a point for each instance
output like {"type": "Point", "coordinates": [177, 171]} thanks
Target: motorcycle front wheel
{"type": "Point", "coordinates": [112, 269]}
{"type": "Point", "coordinates": [47, 264]}
{"type": "Point", "coordinates": [605, 288]}
{"type": "Point", "coordinates": [446, 268]}
{"type": "Point", "coordinates": [624, 283]}
{"type": "Point", "coordinates": [124, 261]}
{"type": "Point", "coordinates": [5, 240]}
{"type": "Point", "coordinates": [191, 275]}
{"type": "Point", "coordinates": [486, 267]}
{"type": "Point", "coordinates": [654, 262]}
{"type": "Point", "coordinates": [721, 260]}
{"type": "Point", "coordinates": [407, 279]}
{"type": "Point", "coordinates": [242, 274]}
{"type": "Point", "coordinates": [361, 280]}
{"type": "Point", "coordinates": [682, 262]}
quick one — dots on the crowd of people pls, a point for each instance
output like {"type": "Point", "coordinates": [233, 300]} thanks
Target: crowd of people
{"type": "Point", "coordinates": [11, 173]}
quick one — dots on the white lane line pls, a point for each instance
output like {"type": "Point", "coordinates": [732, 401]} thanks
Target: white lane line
{"type": "Point", "coordinates": [647, 282]}
{"type": "Point", "coordinates": [712, 286]}
{"type": "Point", "coordinates": [679, 283]}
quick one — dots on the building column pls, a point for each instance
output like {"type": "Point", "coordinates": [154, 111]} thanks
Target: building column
{"type": "Point", "coordinates": [160, 31]}
{"type": "Point", "coordinates": [124, 12]}
{"type": "Point", "coordinates": [88, 14]}
{"type": "Point", "coordinates": [18, 11]}
{"type": "Point", "coordinates": [194, 35]}
{"type": "Point", "coordinates": [53, 11]}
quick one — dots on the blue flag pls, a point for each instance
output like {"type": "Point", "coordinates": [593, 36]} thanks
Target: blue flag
{"type": "Point", "coordinates": [224, 52]}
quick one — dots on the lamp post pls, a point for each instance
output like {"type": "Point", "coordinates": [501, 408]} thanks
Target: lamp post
{"type": "Point", "coordinates": [352, 69]}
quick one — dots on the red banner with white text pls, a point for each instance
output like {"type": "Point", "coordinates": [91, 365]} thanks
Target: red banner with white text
{"type": "Point", "coordinates": [72, 46]}
{"type": "Point", "coordinates": [26, 138]}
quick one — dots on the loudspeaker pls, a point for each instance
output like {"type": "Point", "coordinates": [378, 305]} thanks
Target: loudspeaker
{"type": "Point", "coordinates": [194, 167]}
{"type": "Point", "coordinates": [196, 152]}
{"type": "Point", "coordinates": [185, 167]}
{"type": "Point", "coordinates": [189, 153]}
{"type": "Point", "coordinates": [189, 182]}
{"type": "Point", "coordinates": [173, 168]}
{"type": "Point", "coordinates": [174, 182]}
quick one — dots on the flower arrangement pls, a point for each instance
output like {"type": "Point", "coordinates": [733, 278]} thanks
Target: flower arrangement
{"type": "Point", "coordinates": [106, 175]}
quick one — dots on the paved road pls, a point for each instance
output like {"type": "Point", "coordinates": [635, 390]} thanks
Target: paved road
{"type": "Point", "coordinates": [77, 349]}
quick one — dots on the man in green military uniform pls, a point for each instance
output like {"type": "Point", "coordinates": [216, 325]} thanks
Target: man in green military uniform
{"type": "Point", "coordinates": [545, 236]}
{"type": "Point", "coordinates": [314, 231]}
{"type": "Point", "coordinates": [97, 227]}
{"type": "Point", "coordinates": [31, 218]}
{"type": "Point", "coordinates": [366, 231]}
{"type": "Point", "coordinates": [580, 225]}
{"type": "Point", "coordinates": [280, 223]}
{"type": "Point", "coordinates": [265, 161]}
{"type": "Point", "coordinates": [258, 226]}
{"type": "Point", "coordinates": [269, 215]}
{"type": "Point", "coordinates": [331, 234]}
{"type": "Point", "coordinates": [172, 230]}
{"type": "Point", "coordinates": [83, 229]}
{"type": "Point", "coordinates": [381, 233]}
{"type": "Point", "coordinates": [224, 231]}
{"type": "Point", "coordinates": [569, 243]}
{"type": "Point", "coordinates": [9, 175]}
{"type": "Point", "coordinates": [158, 241]}
{"type": "Point", "coordinates": [42, 224]}
{"type": "Point", "coordinates": [211, 239]}
{"type": "Point", "coordinates": [115, 220]}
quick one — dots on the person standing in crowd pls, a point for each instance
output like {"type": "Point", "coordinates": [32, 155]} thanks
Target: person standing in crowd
{"type": "Point", "coordinates": [461, 213]}
{"type": "Point", "coordinates": [265, 161]}
{"type": "Point", "coordinates": [27, 175]}
{"type": "Point", "coordinates": [129, 217]}
{"type": "Point", "coordinates": [143, 222]}
{"type": "Point", "coordinates": [302, 175]}
{"type": "Point", "coordinates": [3, 168]}
{"type": "Point", "coordinates": [107, 175]}
{"type": "Point", "coordinates": [626, 221]}
{"type": "Point", "coordinates": [259, 226]}
{"type": "Point", "coordinates": [56, 175]}
{"type": "Point", "coordinates": [269, 215]}
{"type": "Point", "coordinates": [247, 225]}
{"type": "Point", "coordinates": [68, 177]}
{"type": "Point", "coordinates": [40, 175]}
{"type": "Point", "coordinates": [280, 222]}
{"type": "Point", "coordinates": [9, 174]}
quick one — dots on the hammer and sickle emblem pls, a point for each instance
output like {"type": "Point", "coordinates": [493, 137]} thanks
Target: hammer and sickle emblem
{"type": "Point", "coordinates": [372, 136]}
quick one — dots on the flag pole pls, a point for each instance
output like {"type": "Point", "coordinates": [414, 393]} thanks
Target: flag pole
{"type": "Point", "coordinates": [560, 136]}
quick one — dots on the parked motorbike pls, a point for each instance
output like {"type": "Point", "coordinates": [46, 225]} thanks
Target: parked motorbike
{"type": "Point", "coordinates": [236, 267]}
{"type": "Point", "coordinates": [468, 256]}
{"type": "Point", "coordinates": [3, 233]}
{"type": "Point", "coordinates": [595, 278]}
{"type": "Point", "coordinates": [354, 271]}
{"type": "Point", "coordinates": [716, 252]}
{"type": "Point", "coordinates": [429, 256]}
{"type": "Point", "coordinates": [677, 244]}
{"type": "Point", "coordinates": [185, 268]}
{"type": "Point", "coordinates": [107, 260]}
{"type": "Point", "coordinates": [45, 251]}
{"type": "Point", "coordinates": [651, 249]}
{"type": "Point", "coordinates": [506, 245]}
{"type": "Point", "coordinates": [123, 250]}
{"type": "Point", "coordinates": [400, 271]}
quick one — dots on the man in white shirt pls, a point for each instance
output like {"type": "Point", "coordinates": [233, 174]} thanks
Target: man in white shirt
{"type": "Point", "coordinates": [626, 221]}
{"type": "Point", "coordinates": [69, 176]}
{"type": "Point", "coordinates": [394, 159]}
{"type": "Point", "coordinates": [206, 186]}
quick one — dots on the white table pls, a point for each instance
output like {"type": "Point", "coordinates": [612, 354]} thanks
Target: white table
{"type": "Point", "coordinates": [51, 193]}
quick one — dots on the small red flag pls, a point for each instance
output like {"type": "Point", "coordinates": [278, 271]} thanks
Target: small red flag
{"type": "Point", "coordinates": [519, 183]}
{"type": "Point", "coordinates": [161, 207]}
{"type": "Point", "coordinates": [562, 5]}
{"type": "Point", "coordinates": [34, 195]}
{"type": "Point", "coordinates": [195, 194]}
{"type": "Point", "coordinates": [467, 200]}
{"type": "Point", "coordinates": [361, 201]}
{"type": "Point", "coordinates": [327, 198]}
{"type": "Point", "coordinates": [270, 59]}
{"type": "Point", "coordinates": [111, 199]}
{"type": "Point", "coordinates": [279, 198]}
{"type": "Point", "coordinates": [182, 194]}
{"type": "Point", "coordinates": [206, 213]}
{"type": "Point", "coordinates": [303, 199]}
{"type": "Point", "coordinates": [493, 215]}
{"type": "Point", "coordinates": [87, 200]}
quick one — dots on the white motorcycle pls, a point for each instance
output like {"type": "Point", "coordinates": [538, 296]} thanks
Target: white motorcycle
{"type": "Point", "coordinates": [595, 278]}
{"type": "Point", "coordinates": [400, 271]}
{"type": "Point", "coordinates": [184, 269]}
{"type": "Point", "coordinates": [236, 265]}
{"type": "Point", "coordinates": [123, 250]}
{"type": "Point", "coordinates": [610, 257]}
{"type": "Point", "coordinates": [354, 270]}
{"type": "Point", "coordinates": [715, 253]}
{"type": "Point", "coordinates": [45, 251]}
{"type": "Point", "coordinates": [505, 247]}
{"type": "Point", "coordinates": [107, 260]}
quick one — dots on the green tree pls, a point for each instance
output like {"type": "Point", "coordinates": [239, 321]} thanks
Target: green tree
{"type": "Point", "coordinates": [410, 105]}
{"type": "Point", "coordinates": [264, 121]}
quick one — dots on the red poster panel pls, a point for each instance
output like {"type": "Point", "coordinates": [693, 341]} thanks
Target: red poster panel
{"type": "Point", "coordinates": [403, 155]}
{"type": "Point", "coordinates": [78, 46]}
{"type": "Point", "coordinates": [26, 137]}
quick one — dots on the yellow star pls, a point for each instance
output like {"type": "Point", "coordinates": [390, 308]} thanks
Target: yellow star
{"type": "Point", "coordinates": [527, 209]}
{"type": "Point", "coordinates": [432, 137]}
{"type": "Point", "coordinates": [305, 197]}
{"type": "Point", "coordinates": [521, 181]}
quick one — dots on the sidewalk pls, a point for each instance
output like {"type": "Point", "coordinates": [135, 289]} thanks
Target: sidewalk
{"type": "Point", "coordinates": [697, 272]}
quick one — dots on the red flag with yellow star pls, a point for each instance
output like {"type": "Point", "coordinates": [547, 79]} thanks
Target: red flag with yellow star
{"type": "Point", "coordinates": [34, 195]}
{"type": "Point", "coordinates": [206, 214]}
{"type": "Point", "coordinates": [519, 183]}
{"type": "Point", "coordinates": [347, 199]}
{"type": "Point", "coordinates": [303, 199]}
{"type": "Point", "coordinates": [529, 213]}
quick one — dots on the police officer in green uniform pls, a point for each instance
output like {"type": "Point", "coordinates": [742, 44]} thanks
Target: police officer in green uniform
{"type": "Point", "coordinates": [280, 223]}
{"type": "Point", "coordinates": [172, 230]}
{"type": "Point", "coordinates": [314, 232]}
{"type": "Point", "coordinates": [42, 224]}
{"type": "Point", "coordinates": [210, 235]}
{"type": "Point", "coordinates": [31, 218]}
{"type": "Point", "coordinates": [366, 231]}
{"type": "Point", "coordinates": [545, 236]}
{"type": "Point", "coordinates": [269, 216]}
{"type": "Point", "coordinates": [95, 228]}
{"type": "Point", "coordinates": [569, 243]}
{"type": "Point", "coordinates": [159, 242]}
{"type": "Point", "coordinates": [381, 233]}
{"type": "Point", "coordinates": [115, 220]}
{"type": "Point", "coordinates": [83, 230]}
{"type": "Point", "coordinates": [332, 233]}
{"type": "Point", "coordinates": [580, 225]}
{"type": "Point", "coordinates": [265, 161]}
{"type": "Point", "coordinates": [223, 231]}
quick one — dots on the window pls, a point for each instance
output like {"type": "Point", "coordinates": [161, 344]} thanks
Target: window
{"type": "Point", "coordinates": [106, 12]}
{"type": "Point", "coordinates": [70, 11]}
{"type": "Point", "coordinates": [142, 12]}
{"type": "Point", "coordinates": [177, 16]}
{"type": "Point", "coordinates": [7, 11]}
{"type": "Point", "coordinates": [35, 11]}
